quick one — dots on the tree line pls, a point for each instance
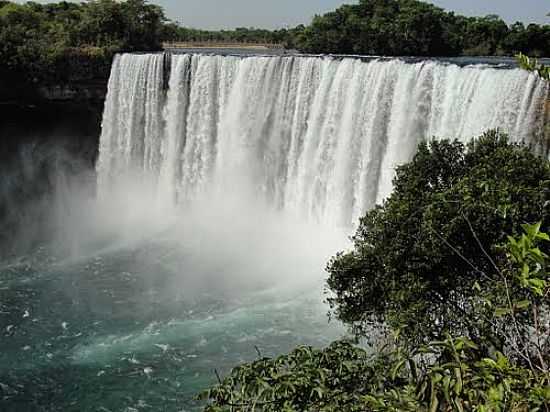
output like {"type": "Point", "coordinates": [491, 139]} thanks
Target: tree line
{"type": "Point", "coordinates": [285, 37]}
{"type": "Point", "coordinates": [412, 27]}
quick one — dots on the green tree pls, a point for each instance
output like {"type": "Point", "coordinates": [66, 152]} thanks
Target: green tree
{"type": "Point", "coordinates": [411, 27]}
{"type": "Point", "coordinates": [418, 258]}
{"type": "Point", "coordinates": [65, 41]}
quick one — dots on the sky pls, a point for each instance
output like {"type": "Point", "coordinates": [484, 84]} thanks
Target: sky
{"type": "Point", "coordinates": [217, 14]}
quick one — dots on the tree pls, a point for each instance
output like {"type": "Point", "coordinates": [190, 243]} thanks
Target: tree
{"type": "Point", "coordinates": [63, 42]}
{"type": "Point", "coordinates": [411, 27]}
{"type": "Point", "coordinates": [418, 258]}
{"type": "Point", "coordinates": [484, 35]}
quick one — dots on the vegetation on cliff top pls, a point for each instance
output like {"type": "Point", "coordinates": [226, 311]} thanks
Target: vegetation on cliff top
{"type": "Point", "coordinates": [412, 27]}
{"type": "Point", "coordinates": [64, 42]}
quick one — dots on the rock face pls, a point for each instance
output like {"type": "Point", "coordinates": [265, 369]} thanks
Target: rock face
{"type": "Point", "coordinates": [49, 137]}
{"type": "Point", "coordinates": [15, 88]}
{"type": "Point", "coordinates": [77, 92]}
{"type": "Point", "coordinates": [45, 146]}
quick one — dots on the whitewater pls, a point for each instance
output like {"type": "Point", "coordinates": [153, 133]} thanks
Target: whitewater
{"type": "Point", "coordinates": [318, 138]}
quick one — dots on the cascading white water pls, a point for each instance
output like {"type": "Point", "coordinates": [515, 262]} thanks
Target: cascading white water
{"type": "Point", "coordinates": [132, 128]}
{"type": "Point", "coordinates": [316, 137]}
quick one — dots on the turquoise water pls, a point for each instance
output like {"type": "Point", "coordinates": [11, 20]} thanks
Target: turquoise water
{"type": "Point", "coordinates": [142, 325]}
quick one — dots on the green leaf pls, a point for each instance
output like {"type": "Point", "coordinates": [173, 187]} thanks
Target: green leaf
{"type": "Point", "coordinates": [524, 304]}
{"type": "Point", "coordinates": [500, 312]}
{"type": "Point", "coordinates": [537, 286]}
{"type": "Point", "coordinates": [434, 401]}
{"type": "Point", "coordinates": [317, 391]}
{"type": "Point", "coordinates": [397, 368]}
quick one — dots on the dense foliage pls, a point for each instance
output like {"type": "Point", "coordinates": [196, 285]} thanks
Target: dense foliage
{"type": "Point", "coordinates": [74, 41]}
{"type": "Point", "coordinates": [418, 257]}
{"type": "Point", "coordinates": [453, 374]}
{"type": "Point", "coordinates": [412, 27]}
{"type": "Point", "coordinates": [344, 377]}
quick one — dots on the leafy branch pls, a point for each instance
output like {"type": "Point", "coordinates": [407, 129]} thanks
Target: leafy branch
{"type": "Point", "coordinates": [533, 65]}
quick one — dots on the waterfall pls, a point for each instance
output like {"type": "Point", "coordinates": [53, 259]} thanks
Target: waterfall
{"type": "Point", "coordinates": [316, 137]}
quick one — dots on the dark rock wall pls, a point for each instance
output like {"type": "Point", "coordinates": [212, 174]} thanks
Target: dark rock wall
{"type": "Point", "coordinates": [43, 146]}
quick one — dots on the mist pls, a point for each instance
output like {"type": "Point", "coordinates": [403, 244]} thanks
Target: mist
{"type": "Point", "coordinates": [220, 240]}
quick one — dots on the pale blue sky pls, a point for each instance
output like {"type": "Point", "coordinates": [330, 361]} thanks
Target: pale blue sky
{"type": "Point", "coordinates": [279, 13]}
{"type": "Point", "coordinates": [215, 14]}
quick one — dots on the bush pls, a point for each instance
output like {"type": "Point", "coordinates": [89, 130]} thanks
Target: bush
{"type": "Point", "coordinates": [344, 377]}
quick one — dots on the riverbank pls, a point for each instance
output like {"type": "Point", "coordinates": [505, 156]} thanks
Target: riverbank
{"type": "Point", "coordinates": [222, 45]}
